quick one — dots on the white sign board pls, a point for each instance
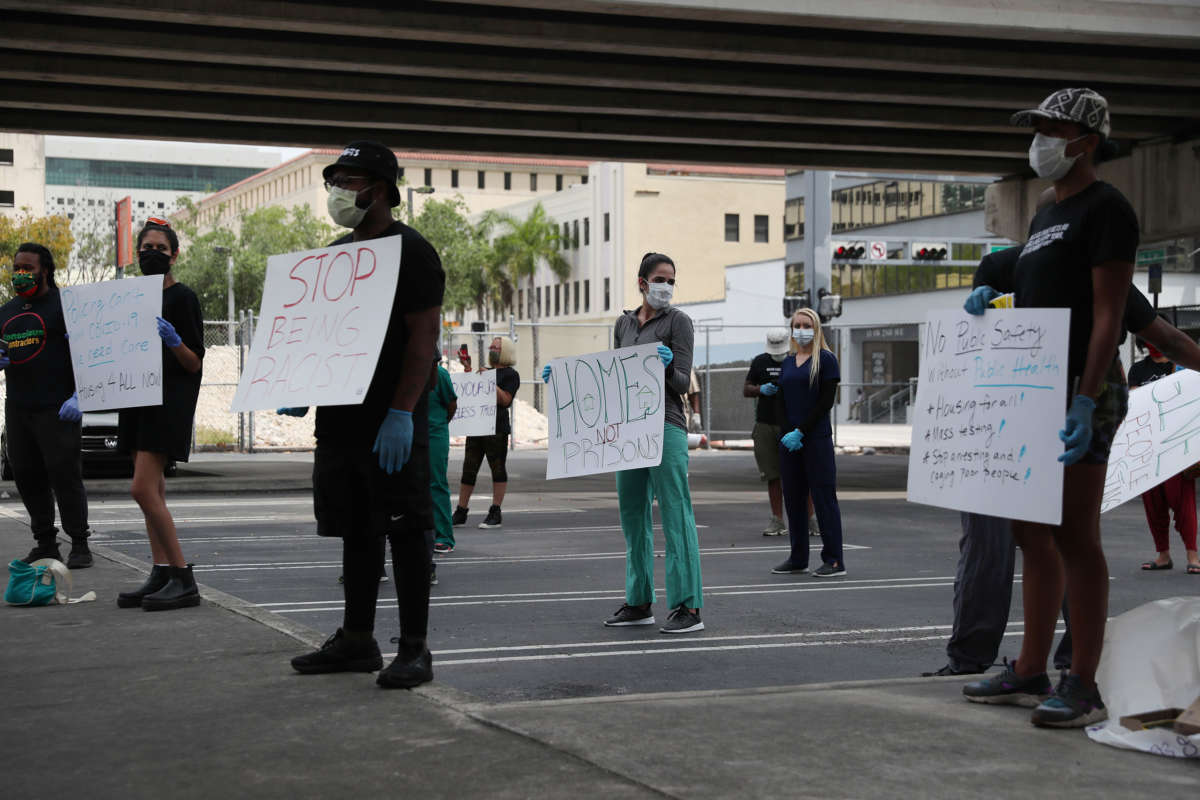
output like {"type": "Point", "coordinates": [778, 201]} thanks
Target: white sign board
{"type": "Point", "coordinates": [1159, 438]}
{"type": "Point", "coordinates": [605, 412]}
{"type": "Point", "coordinates": [116, 352]}
{"type": "Point", "coordinates": [991, 399]}
{"type": "Point", "coordinates": [878, 251]}
{"type": "Point", "coordinates": [476, 414]}
{"type": "Point", "coordinates": [322, 322]}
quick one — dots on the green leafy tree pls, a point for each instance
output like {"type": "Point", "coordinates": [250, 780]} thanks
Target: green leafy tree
{"type": "Point", "coordinates": [52, 232]}
{"type": "Point", "coordinates": [467, 256]}
{"type": "Point", "coordinates": [261, 233]}
{"type": "Point", "coordinates": [95, 252]}
{"type": "Point", "coordinates": [523, 245]}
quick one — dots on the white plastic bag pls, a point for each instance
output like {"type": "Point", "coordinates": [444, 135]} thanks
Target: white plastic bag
{"type": "Point", "coordinates": [1151, 661]}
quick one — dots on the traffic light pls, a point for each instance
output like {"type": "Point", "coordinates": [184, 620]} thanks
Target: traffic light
{"type": "Point", "coordinates": [929, 251]}
{"type": "Point", "coordinates": [848, 251]}
{"type": "Point", "coordinates": [793, 303]}
{"type": "Point", "coordinates": [829, 305]}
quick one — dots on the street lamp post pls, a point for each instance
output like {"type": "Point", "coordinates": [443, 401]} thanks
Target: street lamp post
{"type": "Point", "coordinates": [416, 190]}
{"type": "Point", "coordinates": [228, 253]}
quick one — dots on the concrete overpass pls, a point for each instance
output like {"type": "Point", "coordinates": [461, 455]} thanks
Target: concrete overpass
{"type": "Point", "coordinates": [861, 84]}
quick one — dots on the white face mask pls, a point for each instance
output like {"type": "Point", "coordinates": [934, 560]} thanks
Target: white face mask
{"type": "Point", "coordinates": [1048, 157]}
{"type": "Point", "coordinates": [342, 208]}
{"type": "Point", "coordinates": [659, 295]}
{"type": "Point", "coordinates": [803, 336]}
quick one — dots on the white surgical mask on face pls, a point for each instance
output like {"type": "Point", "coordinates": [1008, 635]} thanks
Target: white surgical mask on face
{"type": "Point", "coordinates": [342, 208]}
{"type": "Point", "coordinates": [1048, 157]}
{"type": "Point", "coordinates": [803, 336]}
{"type": "Point", "coordinates": [659, 295]}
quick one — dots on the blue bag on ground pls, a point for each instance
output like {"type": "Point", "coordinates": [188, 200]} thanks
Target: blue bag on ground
{"type": "Point", "coordinates": [29, 585]}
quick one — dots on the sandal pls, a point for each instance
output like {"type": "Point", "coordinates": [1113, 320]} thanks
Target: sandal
{"type": "Point", "coordinates": [1151, 565]}
{"type": "Point", "coordinates": [1193, 569]}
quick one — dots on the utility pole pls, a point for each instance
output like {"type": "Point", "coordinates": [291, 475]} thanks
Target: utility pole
{"type": "Point", "coordinates": [416, 190]}
{"type": "Point", "coordinates": [229, 312]}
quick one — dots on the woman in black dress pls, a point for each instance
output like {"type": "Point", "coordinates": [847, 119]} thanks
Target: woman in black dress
{"type": "Point", "coordinates": [156, 434]}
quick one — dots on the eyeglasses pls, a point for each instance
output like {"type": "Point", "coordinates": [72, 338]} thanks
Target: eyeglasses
{"type": "Point", "coordinates": [346, 181]}
{"type": "Point", "coordinates": [158, 221]}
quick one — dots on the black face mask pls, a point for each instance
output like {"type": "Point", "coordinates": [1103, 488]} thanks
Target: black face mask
{"type": "Point", "coordinates": [154, 262]}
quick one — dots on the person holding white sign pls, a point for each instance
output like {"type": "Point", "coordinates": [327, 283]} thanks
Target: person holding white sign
{"type": "Point", "coordinates": [502, 355]}
{"type": "Point", "coordinates": [656, 321]}
{"type": "Point", "coordinates": [154, 434]}
{"type": "Point", "coordinates": [807, 388]}
{"type": "Point", "coordinates": [1079, 255]}
{"type": "Point", "coordinates": [371, 467]}
{"type": "Point", "coordinates": [41, 410]}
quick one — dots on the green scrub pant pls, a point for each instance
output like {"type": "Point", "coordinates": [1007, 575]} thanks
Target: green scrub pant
{"type": "Point", "coordinates": [439, 487]}
{"type": "Point", "coordinates": [636, 490]}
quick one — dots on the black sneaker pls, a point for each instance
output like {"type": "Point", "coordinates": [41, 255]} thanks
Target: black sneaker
{"type": "Point", "coordinates": [788, 568]}
{"type": "Point", "coordinates": [628, 616]}
{"type": "Point", "coordinates": [683, 620]}
{"type": "Point", "coordinates": [492, 520]}
{"type": "Point", "coordinates": [1071, 706]}
{"type": "Point", "coordinates": [950, 669]}
{"type": "Point", "coordinates": [1009, 689]}
{"type": "Point", "coordinates": [43, 551]}
{"type": "Point", "coordinates": [829, 571]}
{"type": "Point", "coordinates": [338, 655]}
{"type": "Point", "coordinates": [459, 518]}
{"type": "Point", "coordinates": [80, 556]}
{"type": "Point", "coordinates": [407, 673]}
{"type": "Point", "coordinates": [433, 575]}
{"type": "Point", "coordinates": [443, 548]}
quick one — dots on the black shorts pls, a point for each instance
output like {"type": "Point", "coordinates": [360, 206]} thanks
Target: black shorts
{"type": "Point", "coordinates": [352, 496]}
{"type": "Point", "coordinates": [495, 449]}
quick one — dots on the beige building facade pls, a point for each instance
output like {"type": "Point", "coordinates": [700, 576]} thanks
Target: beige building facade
{"type": "Point", "coordinates": [22, 173]}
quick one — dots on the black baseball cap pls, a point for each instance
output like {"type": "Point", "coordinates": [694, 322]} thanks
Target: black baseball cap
{"type": "Point", "coordinates": [371, 157]}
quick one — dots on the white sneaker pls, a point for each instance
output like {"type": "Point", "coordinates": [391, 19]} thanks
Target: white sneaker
{"type": "Point", "coordinates": [775, 527]}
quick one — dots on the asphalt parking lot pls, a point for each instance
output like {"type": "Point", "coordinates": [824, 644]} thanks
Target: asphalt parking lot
{"type": "Point", "coordinates": [516, 615]}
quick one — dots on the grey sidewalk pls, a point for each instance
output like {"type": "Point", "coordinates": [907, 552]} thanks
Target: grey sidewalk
{"type": "Point", "coordinates": [103, 702]}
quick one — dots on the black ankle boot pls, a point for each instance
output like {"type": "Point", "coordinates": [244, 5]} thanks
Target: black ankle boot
{"type": "Point", "coordinates": [180, 592]}
{"type": "Point", "coordinates": [80, 556]}
{"type": "Point", "coordinates": [412, 667]}
{"type": "Point", "coordinates": [157, 579]}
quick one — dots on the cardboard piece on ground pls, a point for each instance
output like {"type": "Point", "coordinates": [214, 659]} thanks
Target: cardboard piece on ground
{"type": "Point", "coordinates": [990, 402]}
{"type": "Point", "coordinates": [476, 413]}
{"type": "Point", "coordinates": [1189, 721]}
{"type": "Point", "coordinates": [323, 317]}
{"type": "Point", "coordinates": [116, 352]}
{"type": "Point", "coordinates": [605, 412]}
{"type": "Point", "coordinates": [1164, 717]}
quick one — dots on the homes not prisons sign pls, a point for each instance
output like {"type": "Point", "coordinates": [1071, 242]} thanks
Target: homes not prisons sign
{"type": "Point", "coordinates": [323, 318]}
{"type": "Point", "coordinates": [476, 413]}
{"type": "Point", "coordinates": [991, 399]}
{"type": "Point", "coordinates": [116, 353]}
{"type": "Point", "coordinates": [1159, 438]}
{"type": "Point", "coordinates": [605, 412]}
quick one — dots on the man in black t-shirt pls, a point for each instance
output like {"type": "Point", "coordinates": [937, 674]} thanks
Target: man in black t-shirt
{"type": "Point", "coordinates": [1151, 368]}
{"type": "Point", "coordinates": [502, 355]}
{"type": "Point", "coordinates": [42, 417]}
{"type": "Point", "coordinates": [371, 471]}
{"type": "Point", "coordinates": [762, 383]}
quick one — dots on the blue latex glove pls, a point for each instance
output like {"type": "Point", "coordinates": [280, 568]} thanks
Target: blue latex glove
{"type": "Point", "coordinates": [793, 440]}
{"type": "Point", "coordinates": [1077, 435]}
{"type": "Point", "coordinates": [665, 354]}
{"type": "Point", "coordinates": [546, 374]}
{"type": "Point", "coordinates": [298, 411]}
{"type": "Point", "coordinates": [977, 301]}
{"type": "Point", "coordinates": [393, 443]}
{"type": "Point", "coordinates": [166, 332]}
{"type": "Point", "coordinates": [69, 410]}
{"type": "Point", "coordinates": [4, 362]}
{"type": "Point", "coordinates": [768, 389]}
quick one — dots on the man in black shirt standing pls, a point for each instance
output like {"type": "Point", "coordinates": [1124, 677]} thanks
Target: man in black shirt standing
{"type": "Point", "coordinates": [762, 382]}
{"type": "Point", "coordinates": [41, 411]}
{"type": "Point", "coordinates": [371, 471]}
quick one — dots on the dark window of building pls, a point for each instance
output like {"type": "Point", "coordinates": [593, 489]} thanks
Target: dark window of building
{"type": "Point", "coordinates": [482, 180]}
{"type": "Point", "coordinates": [399, 173]}
{"type": "Point", "coordinates": [520, 304]}
{"type": "Point", "coordinates": [8, 199]}
{"type": "Point", "coordinates": [557, 299]}
{"type": "Point", "coordinates": [143, 175]}
{"type": "Point", "coordinates": [575, 234]}
{"type": "Point", "coordinates": [607, 296]}
{"type": "Point", "coordinates": [428, 176]}
{"type": "Point", "coordinates": [731, 228]}
{"type": "Point", "coordinates": [453, 179]}
{"type": "Point", "coordinates": [793, 219]}
{"type": "Point", "coordinates": [793, 279]}
{"type": "Point", "coordinates": [141, 203]}
{"type": "Point", "coordinates": [587, 296]}
{"type": "Point", "coordinates": [93, 202]}
{"type": "Point", "coordinates": [6, 156]}
{"type": "Point", "coordinates": [61, 201]}
{"type": "Point", "coordinates": [760, 227]}
{"type": "Point", "coordinates": [566, 236]}
{"type": "Point", "coordinates": [71, 215]}
{"type": "Point", "coordinates": [606, 239]}
{"type": "Point", "coordinates": [585, 177]}
{"type": "Point", "coordinates": [576, 297]}
{"type": "Point", "coordinates": [539, 301]}
{"type": "Point", "coordinates": [160, 205]}
{"type": "Point", "coordinates": [587, 231]}
{"type": "Point", "coordinates": [507, 181]}
{"type": "Point", "coordinates": [533, 181]}
{"type": "Point", "coordinates": [566, 298]}
{"type": "Point", "coordinates": [557, 182]}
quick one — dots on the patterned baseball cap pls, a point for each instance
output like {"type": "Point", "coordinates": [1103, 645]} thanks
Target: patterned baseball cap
{"type": "Point", "coordinates": [777, 341]}
{"type": "Point", "coordinates": [1081, 106]}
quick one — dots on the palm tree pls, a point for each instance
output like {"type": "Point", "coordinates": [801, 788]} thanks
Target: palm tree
{"type": "Point", "coordinates": [521, 247]}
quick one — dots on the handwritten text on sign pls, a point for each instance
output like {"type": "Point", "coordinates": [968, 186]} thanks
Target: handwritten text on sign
{"type": "Point", "coordinates": [605, 412]}
{"type": "Point", "coordinates": [991, 399]}
{"type": "Point", "coordinates": [324, 315]}
{"type": "Point", "coordinates": [116, 353]}
{"type": "Point", "coordinates": [1159, 438]}
{"type": "Point", "coordinates": [476, 414]}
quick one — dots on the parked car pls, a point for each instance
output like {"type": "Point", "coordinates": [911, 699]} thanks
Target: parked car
{"type": "Point", "coordinates": [100, 455]}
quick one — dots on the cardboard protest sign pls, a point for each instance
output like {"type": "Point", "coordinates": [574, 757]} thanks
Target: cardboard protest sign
{"type": "Point", "coordinates": [605, 412]}
{"type": "Point", "coordinates": [1159, 438]}
{"type": "Point", "coordinates": [323, 317]}
{"type": "Point", "coordinates": [476, 414]}
{"type": "Point", "coordinates": [116, 353]}
{"type": "Point", "coordinates": [991, 400]}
